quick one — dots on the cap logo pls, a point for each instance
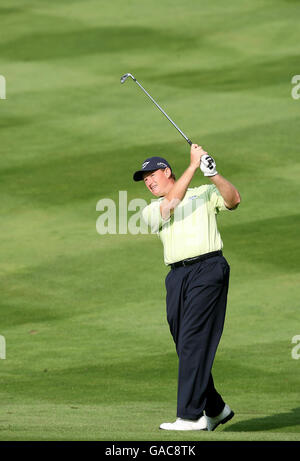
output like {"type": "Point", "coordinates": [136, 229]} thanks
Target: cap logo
{"type": "Point", "coordinates": [161, 164]}
{"type": "Point", "coordinates": [145, 164]}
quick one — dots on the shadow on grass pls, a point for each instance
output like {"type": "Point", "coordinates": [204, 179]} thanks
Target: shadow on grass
{"type": "Point", "coordinates": [107, 39]}
{"type": "Point", "coordinates": [266, 423]}
{"type": "Point", "coordinates": [252, 74]}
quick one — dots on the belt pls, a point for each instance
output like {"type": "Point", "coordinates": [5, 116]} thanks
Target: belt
{"type": "Point", "coordinates": [196, 259]}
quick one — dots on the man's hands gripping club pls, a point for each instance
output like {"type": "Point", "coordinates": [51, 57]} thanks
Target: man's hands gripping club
{"type": "Point", "coordinates": [201, 159]}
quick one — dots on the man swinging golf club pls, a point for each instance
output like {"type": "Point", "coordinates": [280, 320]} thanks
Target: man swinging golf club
{"type": "Point", "coordinates": [197, 283]}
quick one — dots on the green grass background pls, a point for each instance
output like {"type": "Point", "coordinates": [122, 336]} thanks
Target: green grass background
{"type": "Point", "coordinates": [88, 351]}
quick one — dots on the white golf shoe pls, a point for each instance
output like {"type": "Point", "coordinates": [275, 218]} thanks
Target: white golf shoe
{"type": "Point", "coordinates": [186, 425]}
{"type": "Point", "coordinates": [225, 415]}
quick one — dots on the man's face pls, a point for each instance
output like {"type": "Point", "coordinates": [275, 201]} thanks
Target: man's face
{"type": "Point", "coordinates": [158, 182]}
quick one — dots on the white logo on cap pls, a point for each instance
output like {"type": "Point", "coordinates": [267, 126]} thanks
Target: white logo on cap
{"type": "Point", "coordinates": [162, 164]}
{"type": "Point", "coordinates": [145, 164]}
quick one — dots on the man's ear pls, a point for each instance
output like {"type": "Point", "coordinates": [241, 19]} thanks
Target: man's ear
{"type": "Point", "coordinates": [168, 172]}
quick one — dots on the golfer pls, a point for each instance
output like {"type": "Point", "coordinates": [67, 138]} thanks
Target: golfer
{"type": "Point", "coordinates": [197, 283]}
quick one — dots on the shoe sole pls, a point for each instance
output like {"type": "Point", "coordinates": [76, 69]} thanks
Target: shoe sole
{"type": "Point", "coordinates": [225, 420]}
{"type": "Point", "coordinates": [181, 430]}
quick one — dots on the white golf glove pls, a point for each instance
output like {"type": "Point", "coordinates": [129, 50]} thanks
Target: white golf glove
{"type": "Point", "coordinates": [208, 165]}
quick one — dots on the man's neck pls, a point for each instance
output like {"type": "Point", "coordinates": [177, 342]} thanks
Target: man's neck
{"type": "Point", "coordinates": [169, 187]}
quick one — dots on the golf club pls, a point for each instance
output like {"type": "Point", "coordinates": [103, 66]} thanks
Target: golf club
{"type": "Point", "coordinates": [123, 80]}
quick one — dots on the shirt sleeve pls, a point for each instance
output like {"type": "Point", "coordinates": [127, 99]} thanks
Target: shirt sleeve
{"type": "Point", "coordinates": [216, 199]}
{"type": "Point", "coordinates": [152, 216]}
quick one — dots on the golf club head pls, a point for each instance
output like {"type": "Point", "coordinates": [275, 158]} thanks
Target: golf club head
{"type": "Point", "coordinates": [125, 77]}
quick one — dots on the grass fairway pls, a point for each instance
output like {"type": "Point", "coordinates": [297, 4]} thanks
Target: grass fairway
{"type": "Point", "coordinates": [88, 350]}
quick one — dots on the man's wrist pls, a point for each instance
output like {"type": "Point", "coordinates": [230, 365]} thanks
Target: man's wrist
{"type": "Point", "coordinates": [215, 176]}
{"type": "Point", "coordinates": [192, 167]}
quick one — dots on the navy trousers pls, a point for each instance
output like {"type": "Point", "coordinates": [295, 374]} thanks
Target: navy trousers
{"type": "Point", "coordinates": [196, 306]}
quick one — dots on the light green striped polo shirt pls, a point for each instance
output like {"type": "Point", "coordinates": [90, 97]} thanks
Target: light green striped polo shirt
{"type": "Point", "coordinates": [192, 228]}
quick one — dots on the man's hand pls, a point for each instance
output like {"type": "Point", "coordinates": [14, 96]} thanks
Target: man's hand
{"type": "Point", "coordinates": [208, 166]}
{"type": "Point", "coordinates": [196, 153]}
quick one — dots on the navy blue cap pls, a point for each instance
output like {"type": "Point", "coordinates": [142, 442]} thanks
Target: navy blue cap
{"type": "Point", "coordinates": [151, 164]}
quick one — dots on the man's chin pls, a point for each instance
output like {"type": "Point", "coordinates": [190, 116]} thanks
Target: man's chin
{"type": "Point", "coordinates": [156, 193]}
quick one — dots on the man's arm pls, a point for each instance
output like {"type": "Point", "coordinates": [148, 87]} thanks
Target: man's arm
{"type": "Point", "coordinates": [176, 194]}
{"type": "Point", "coordinates": [229, 193]}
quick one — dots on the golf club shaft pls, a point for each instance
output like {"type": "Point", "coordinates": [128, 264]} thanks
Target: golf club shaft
{"type": "Point", "coordinates": [166, 115]}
